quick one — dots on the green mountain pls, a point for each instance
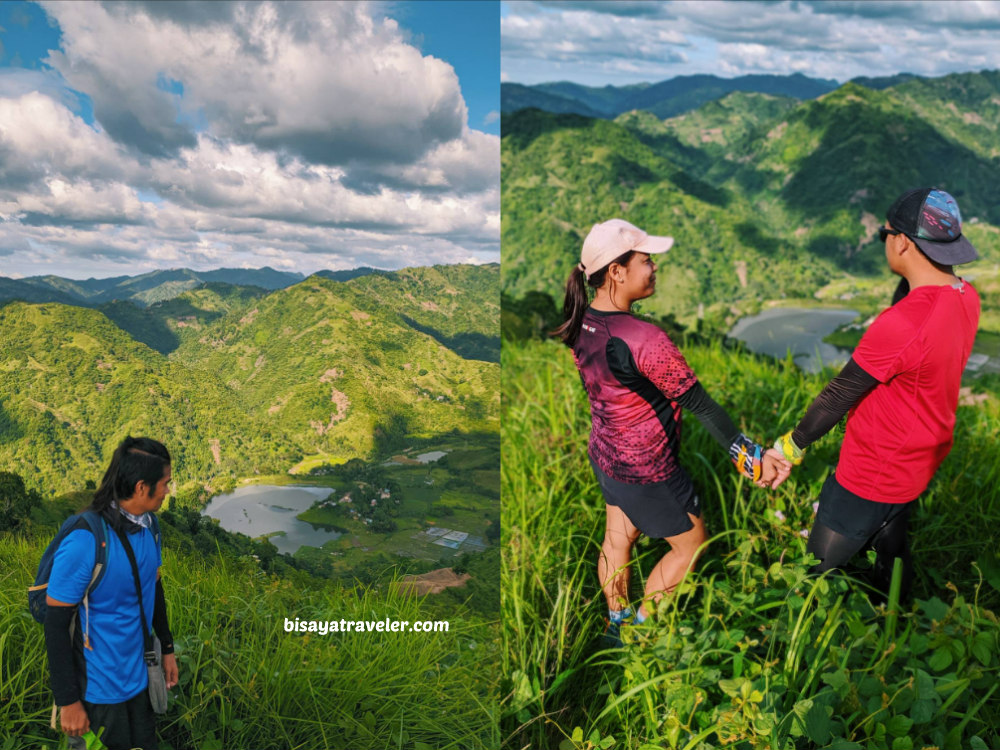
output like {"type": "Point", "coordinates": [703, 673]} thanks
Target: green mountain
{"type": "Point", "coordinates": [514, 96]}
{"type": "Point", "coordinates": [684, 93]}
{"type": "Point", "coordinates": [155, 286]}
{"type": "Point", "coordinates": [608, 100]}
{"type": "Point", "coordinates": [343, 368]}
{"type": "Point", "coordinates": [346, 275]}
{"type": "Point", "coordinates": [164, 325]}
{"type": "Point", "coordinates": [254, 380]}
{"type": "Point", "coordinates": [964, 108]}
{"type": "Point", "coordinates": [832, 167]}
{"type": "Point", "coordinates": [701, 139]}
{"type": "Point", "coordinates": [16, 289]}
{"type": "Point", "coordinates": [563, 173]}
{"type": "Point", "coordinates": [458, 306]}
{"type": "Point", "coordinates": [718, 125]}
{"type": "Point", "coordinates": [883, 82]}
{"type": "Point", "coordinates": [664, 99]}
{"type": "Point", "coordinates": [766, 197]}
{"type": "Point", "coordinates": [72, 385]}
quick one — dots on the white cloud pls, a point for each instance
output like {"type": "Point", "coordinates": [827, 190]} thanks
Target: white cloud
{"type": "Point", "coordinates": [321, 80]}
{"type": "Point", "coordinates": [299, 136]}
{"type": "Point", "coordinates": [600, 42]}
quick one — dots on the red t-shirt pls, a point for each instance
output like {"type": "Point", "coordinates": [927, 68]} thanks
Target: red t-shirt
{"type": "Point", "coordinates": [901, 431]}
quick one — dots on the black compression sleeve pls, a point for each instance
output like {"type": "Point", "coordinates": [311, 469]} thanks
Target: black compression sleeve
{"type": "Point", "coordinates": [160, 624]}
{"type": "Point", "coordinates": [713, 417]}
{"type": "Point", "coordinates": [59, 646]}
{"type": "Point", "coordinates": [840, 394]}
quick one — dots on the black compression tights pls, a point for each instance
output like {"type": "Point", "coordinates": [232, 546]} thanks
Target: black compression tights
{"type": "Point", "coordinates": [889, 542]}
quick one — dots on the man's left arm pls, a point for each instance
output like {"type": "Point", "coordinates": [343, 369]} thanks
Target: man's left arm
{"type": "Point", "coordinates": [882, 352]}
{"type": "Point", "coordinates": [162, 628]}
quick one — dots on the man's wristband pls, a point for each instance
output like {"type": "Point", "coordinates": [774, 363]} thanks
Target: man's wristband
{"type": "Point", "coordinates": [787, 447]}
{"type": "Point", "coordinates": [747, 454]}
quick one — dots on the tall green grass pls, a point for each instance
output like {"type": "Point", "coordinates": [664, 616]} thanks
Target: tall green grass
{"type": "Point", "coordinates": [752, 651]}
{"type": "Point", "coordinates": [246, 683]}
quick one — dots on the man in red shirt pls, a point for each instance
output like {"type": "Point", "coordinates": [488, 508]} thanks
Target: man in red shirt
{"type": "Point", "coordinates": [901, 387]}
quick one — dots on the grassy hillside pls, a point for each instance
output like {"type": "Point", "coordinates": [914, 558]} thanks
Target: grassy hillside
{"type": "Point", "coordinates": [458, 306]}
{"type": "Point", "coordinates": [751, 652]}
{"type": "Point", "coordinates": [247, 682]}
{"type": "Point", "coordinates": [714, 128]}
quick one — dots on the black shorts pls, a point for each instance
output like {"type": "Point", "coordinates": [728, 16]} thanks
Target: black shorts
{"type": "Point", "coordinates": [659, 510]}
{"type": "Point", "coordinates": [852, 515]}
{"type": "Point", "coordinates": [127, 725]}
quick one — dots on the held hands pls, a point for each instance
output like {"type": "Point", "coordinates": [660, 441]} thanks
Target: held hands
{"type": "Point", "coordinates": [775, 469]}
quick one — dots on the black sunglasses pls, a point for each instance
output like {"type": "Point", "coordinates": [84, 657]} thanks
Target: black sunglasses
{"type": "Point", "coordinates": [884, 232]}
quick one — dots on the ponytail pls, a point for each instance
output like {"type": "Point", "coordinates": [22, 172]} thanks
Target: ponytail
{"type": "Point", "coordinates": [574, 306]}
{"type": "Point", "coordinates": [577, 299]}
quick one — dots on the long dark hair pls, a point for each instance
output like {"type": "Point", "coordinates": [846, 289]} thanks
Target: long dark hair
{"type": "Point", "coordinates": [577, 299]}
{"type": "Point", "coordinates": [902, 289]}
{"type": "Point", "coordinates": [134, 460]}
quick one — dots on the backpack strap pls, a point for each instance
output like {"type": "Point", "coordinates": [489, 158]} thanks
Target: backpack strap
{"type": "Point", "coordinates": [98, 527]}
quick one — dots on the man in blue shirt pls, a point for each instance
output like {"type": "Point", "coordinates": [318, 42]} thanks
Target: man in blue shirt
{"type": "Point", "coordinates": [98, 674]}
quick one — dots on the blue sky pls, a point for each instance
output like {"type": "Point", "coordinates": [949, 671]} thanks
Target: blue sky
{"type": "Point", "coordinates": [296, 135]}
{"type": "Point", "coordinates": [466, 34]}
{"type": "Point", "coordinates": [601, 42]}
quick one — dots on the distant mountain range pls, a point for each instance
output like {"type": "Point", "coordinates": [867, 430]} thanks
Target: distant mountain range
{"type": "Point", "coordinates": [766, 195]}
{"type": "Point", "coordinates": [144, 289]}
{"type": "Point", "coordinates": [664, 99]}
{"type": "Point", "coordinates": [255, 379]}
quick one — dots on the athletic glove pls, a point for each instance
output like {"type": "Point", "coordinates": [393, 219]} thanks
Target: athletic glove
{"type": "Point", "coordinates": [747, 454]}
{"type": "Point", "coordinates": [787, 447]}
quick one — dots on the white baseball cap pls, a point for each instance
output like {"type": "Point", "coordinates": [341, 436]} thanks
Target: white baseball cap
{"type": "Point", "coordinates": [612, 239]}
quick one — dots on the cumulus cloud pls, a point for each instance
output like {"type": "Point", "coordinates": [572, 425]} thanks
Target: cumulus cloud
{"type": "Point", "coordinates": [321, 80]}
{"type": "Point", "coordinates": [299, 136]}
{"type": "Point", "coordinates": [610, 42]}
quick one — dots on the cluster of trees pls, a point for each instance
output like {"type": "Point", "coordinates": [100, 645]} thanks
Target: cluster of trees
{"type": "Point", "coordinates": [370, 481]}
{"type": "Point", "coordinates": [16, 502]}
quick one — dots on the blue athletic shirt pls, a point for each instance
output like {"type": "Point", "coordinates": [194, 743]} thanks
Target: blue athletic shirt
{"type": "Point", "coordinates": [115, 670]}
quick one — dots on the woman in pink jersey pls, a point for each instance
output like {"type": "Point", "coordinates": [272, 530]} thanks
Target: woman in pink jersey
{"type": "Point", "coordinates": [901, 387]}
{"type": "Point", "coordinates": [638, 382]}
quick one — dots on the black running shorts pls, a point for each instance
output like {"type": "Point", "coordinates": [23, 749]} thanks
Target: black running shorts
{"type": "Point", "coordinates": [852, 515]}
{"type": "Point", "coordinates": [659, 510]}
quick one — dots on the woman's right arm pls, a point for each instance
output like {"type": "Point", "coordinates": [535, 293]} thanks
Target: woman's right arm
{"type": "Point", "coordinates": [750, 458]}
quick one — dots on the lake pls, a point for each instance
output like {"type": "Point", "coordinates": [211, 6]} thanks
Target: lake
{"type": "Point", "coordinates": [801, 330]}
{"type": "Point", "coordinates": [261, 509]}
